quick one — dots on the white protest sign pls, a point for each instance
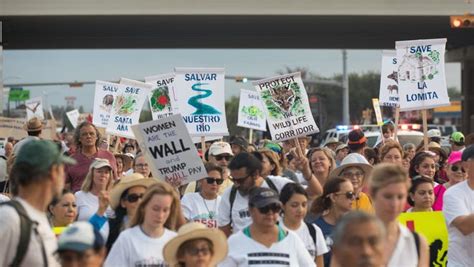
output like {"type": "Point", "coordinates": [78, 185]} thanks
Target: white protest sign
{"type": "Point", "coordinates": [73, 117]}
{"type": "Point", "coordinates": [201, 100]}
{"type": "Point", "coordinates": [162, 96]}
{"type": "Point", "coordinates": [251, 114]}
{"type": "Point", "coordinates": [169, 150]}
{"type": "Point", "coordinates": [388, 95]}
{"type": "Point", "coordinates": [378, 112]}
{"type": "Point", "coordinates": [286, 106]}
{"type": "Point", "coordinates": [105, 93]}
{"type": "Point", "coordinates": [34, 108]}
{"type": "Point", "coordinates": [128, 104]}
{"type": "Point", "coordinates": [421, 75]}
{"type": "Point", "coordinates": [197, 139]}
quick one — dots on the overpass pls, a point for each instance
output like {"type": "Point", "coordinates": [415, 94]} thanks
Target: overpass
{"type": "Point", "coordinates": [304, 24]}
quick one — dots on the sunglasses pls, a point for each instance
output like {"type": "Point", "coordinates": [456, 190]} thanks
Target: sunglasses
{"type": "Point", "coordinates": [132, 198]}
{"type": "Point", "coordinates": [220, 157]}
{"type": "Point", "coordinates": [195, 251]}
{"type": "Point", "coordinates": [211, 180]}
{"type": "Point", "coordinates": [456, 168]}
{"type": "Point", "coordinates": [275, 208]}
{"type": "Point", "coordinates": [349, 195]}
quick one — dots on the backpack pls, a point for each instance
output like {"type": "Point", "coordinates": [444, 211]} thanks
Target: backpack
{"type": "Point", "coordinates": [233, 194]}
{"type": "Point", "coordinates": [417, 243]}
{"type": "Point", "coordinates": [312, 232]}
{"type": "Point", "coordinates": [26, 225]}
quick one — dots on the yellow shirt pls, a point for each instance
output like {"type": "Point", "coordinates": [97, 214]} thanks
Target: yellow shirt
{"type": "Point", "coordinates": [363, 203]}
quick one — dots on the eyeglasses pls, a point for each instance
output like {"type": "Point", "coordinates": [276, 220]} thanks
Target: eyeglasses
{"type": "Point", "coordinates": [211, 180]}
{"type": "Point", "coordinates": [349, 175]}
{"type": "Point", "coordinates": [238, 180]}
{"type": "Point", "coordinates": [196, 251]}
{"type": "Point", "coordinates": [132, 198]}
{"type": "Point", "coordinates": [455, 168]}
{"type": "Point", "coordinates": [349, 195]}
{"type": "Point", "coordinates": [275, 208]}
{"type": "Point", "coordinates": [220, 157]}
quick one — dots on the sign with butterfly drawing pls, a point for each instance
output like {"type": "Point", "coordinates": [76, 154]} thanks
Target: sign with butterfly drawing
{"type": "Point", "coordinates": [34, 108]}
{"type": "Point", "coordinates": [388, 94]}
{"type": "Point", "coordinates": [286, 106]}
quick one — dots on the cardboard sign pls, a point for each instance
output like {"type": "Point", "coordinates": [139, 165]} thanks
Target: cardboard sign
{"type": "Point", "coordinates": [421, 75]}
{"type": "Point", "coordinates": [34, 108]}
{"type": "Point", "coordinates": [388, 94]}
{"type": "Point", "coordinates": [433, 227]}
{"type": "Point", "coordinates": [378, 112]}
{"type": "Point", "coordinates": [17, 129]}
{"type": "Point", "coordinates": [73, 117]}
{"type": "Point", "coordinates": [105, 93]}
{"type": "Point", "coordinates": [162, 97]}
{"type": "Point", "coordinates": [128, 104]}
{"type": "Point", "coordinates": [201, 100]}
{"type": "Point", "coordinates": [286, 106]}
{"type": "Point", "coordinates": [251, 114]}
{"type": "Point", "coordinates": [169, 150]}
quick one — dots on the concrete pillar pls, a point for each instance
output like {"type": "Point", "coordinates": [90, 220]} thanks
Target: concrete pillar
{"type": "Point", "coordinates": [467, 83]}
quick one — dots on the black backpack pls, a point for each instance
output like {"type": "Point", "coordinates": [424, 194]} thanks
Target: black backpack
{"type": "Point", "coordinates": [233, 194]}
{"type": "Point", "coordinates": [26, 225]}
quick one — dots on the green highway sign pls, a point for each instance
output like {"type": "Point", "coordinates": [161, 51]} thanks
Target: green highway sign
{"type": "Point", "coordinates": [18, 95]}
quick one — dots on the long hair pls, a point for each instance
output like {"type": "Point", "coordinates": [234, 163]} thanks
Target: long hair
{"type": "Point", "coordinates": [274, 160]}
{"type": "Point", "coordinates": [324, 202]}
{"type": "Point", "coordinates": [89, 180]}
{"type": "Point", "coordinates": [417, 160]}
{"type": "Point", "coordinates": [160, 188]}
{"type": "Point", "coordinates": [116, 224]}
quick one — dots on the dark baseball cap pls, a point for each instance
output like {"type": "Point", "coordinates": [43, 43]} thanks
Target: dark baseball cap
{"type": "Point", "coordinates": [468, 153]}
{"type": "Point", "coordinates": [260, 197]}
{"type": "Point", "coordinates": [240, 141]}
{"type": "Point", "coordinates": [41, 154]}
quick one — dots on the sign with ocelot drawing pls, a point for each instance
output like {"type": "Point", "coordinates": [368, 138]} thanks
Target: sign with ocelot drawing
{"type": "Point", "coordinates": [286, 105]}
{"type": "Point", "coordinates": [201, 102]}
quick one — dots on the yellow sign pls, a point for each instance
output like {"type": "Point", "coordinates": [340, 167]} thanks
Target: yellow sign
{"type": "Point", "coordinates": [433, 227]}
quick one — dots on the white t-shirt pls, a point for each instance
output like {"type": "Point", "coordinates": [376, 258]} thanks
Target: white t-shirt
{"type": "Point", "coordinates": [405, 253]}
{"type": "Point", "coordinates": [134, 248]}
{"type": "Point", "coordinates": [245, 251]}
{"type": "Point", "coordinates": [194, 209]}
{"type": "Point", "coordinates": [458, 201]}
{"type": "Point", "coordinates": [10, 236]}
{"type": "Point", "coordinates": [240, 209]}
{"type": "Point", "coordinates": [87, 205]}
{"type": "Point", "coordinates": [303, 233]}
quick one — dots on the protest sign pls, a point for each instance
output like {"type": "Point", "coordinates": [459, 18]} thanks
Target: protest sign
{"type": "Point", "coordinates": [73, 117]}
{"type": "Point", "coordinates": [251, 114]}
{"type": "Point", "coordinates": [34, 108]}
{"type": "Point", "coordinates": [128, 104]}
{"type": "Point", "coordinates": [421, 75]}
{"type": "Point", "coordinates": [286, 106]}
{"type": "Point", "coordinates": [433, 227]}
{"type": "Point", "coordinates": [162, 97]}
{"type": "Point", "coordinates": [17, 128]}
{"type": "Point", "coordinates": [105, 93]}
{"type": "Point", "coordinates": [197, 139]}
{"type": "Point", "coordinates": [169, 150]}
{"type": "Point", "coordinates": [378, 112]}
{"type": "Point", "coordinates": [388, 94]}
{"type": "Point", "coordinates": [201, 100]}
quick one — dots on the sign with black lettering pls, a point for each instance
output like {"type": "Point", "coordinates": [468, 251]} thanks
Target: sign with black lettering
{"type": "Point", "coordinates": [286, 105]}
{"type": "Point", "coordinates": [169, 150]}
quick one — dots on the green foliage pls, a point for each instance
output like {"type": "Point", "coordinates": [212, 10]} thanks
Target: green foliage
{"type": "Point", "coordinates": [232, 112]}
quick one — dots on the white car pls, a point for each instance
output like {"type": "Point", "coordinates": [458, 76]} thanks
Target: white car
{"type": "Point", "coordinates": [404, 137]}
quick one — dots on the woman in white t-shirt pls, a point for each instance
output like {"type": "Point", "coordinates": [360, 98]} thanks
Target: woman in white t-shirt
{"type": "Point", "coordinates": [264, 242]}
{"type": "Point", "coordinates": [202, 206]}
{"type": "Point", "coordinates": [154, 223]}
{"type": "Point", "coordinates": [295, 206]}
{"type": "Point", "coordinates": [389, 189]}
{"type": "Point", "coordinates": [97, 183]}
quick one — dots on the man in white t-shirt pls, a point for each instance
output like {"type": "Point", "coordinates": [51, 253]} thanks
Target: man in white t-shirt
{"type": "Point", "coordinates": [245, 168]}
{"type": "Point", "coordinates": [38, 176]}
{"type": "Point", "coordinates": [458, 209]}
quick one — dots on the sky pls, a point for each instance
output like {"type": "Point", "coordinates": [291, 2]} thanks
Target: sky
{"type": "Point", "coordinates": [47, 66]}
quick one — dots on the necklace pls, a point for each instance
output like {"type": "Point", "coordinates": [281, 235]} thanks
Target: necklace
{"type": "Point", "coordinates": [211, 213]}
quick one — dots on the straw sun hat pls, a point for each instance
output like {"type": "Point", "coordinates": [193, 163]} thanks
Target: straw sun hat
{"type": "Point", "coordinates": [194, 230]}
{"type": "Point", "coordinates": [129, 181]}
{"type": "Point", "coordinates": [353, 160]}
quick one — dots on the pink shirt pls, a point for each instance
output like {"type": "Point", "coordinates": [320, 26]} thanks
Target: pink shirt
{"type": "Point", "coordinates": [75, 174]}
{"type": "Point", "coordinates": [438, 193]}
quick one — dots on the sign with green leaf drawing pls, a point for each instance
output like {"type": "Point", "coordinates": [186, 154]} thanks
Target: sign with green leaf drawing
{"type": "Point", "coordinates": [286, 106]}
{"type": "Point", "coordinates": [251, 114]}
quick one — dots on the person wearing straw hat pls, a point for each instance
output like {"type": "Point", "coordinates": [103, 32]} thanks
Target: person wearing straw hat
{"type": "Point", "coordinates": [332, 143]}
{"type": "Point", "coordinates": [33, 127]}
{"type": "Point", "coordinates": [356, 168]}
{"type": "Point", "coordinates": [196, 246]}
{"type": "Point", "coordinates": [341, 152]}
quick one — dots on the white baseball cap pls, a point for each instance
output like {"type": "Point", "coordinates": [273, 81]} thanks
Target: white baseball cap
{"type": "Point", "coordinates": [80, 236]}
{"type": "Point", "coordinates": [218, 148]}
{"type": "Point", "coordinates": [434, 133]}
